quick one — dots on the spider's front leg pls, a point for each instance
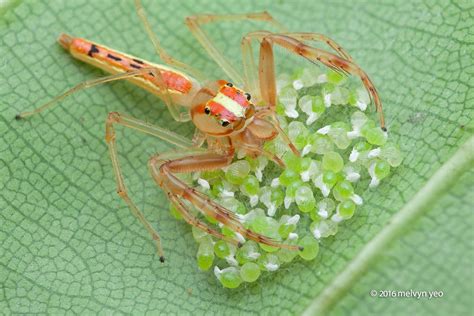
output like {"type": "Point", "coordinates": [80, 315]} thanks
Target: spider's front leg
{"type": "Point", "coordinates": [267, 66]}
{"type": "Point", "coordinates": [163, 171]}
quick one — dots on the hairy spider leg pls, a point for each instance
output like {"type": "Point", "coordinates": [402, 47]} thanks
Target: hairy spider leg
{"type": "Point", "coordinates": [267, 66]}
{"type": "Point", "coordinates": [163, 173]}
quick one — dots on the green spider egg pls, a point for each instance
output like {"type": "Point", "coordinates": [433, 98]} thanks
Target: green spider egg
{"type": "Point", "coordinates": [320, 144]}
{"type": "Point", "coordinates": [362, 146]}
{"type": "Point", "coordinates": [234, 205]}
{"type": "Point", "coordinates": [237, 172]}
{"type": "Point", "coordinates": [286, 255]}
{"type": "Point", "coordinates": [288, 176]}
{"type": "Point", "coordinates": [391, 154]}
{"type": "Point", "coordinates": [280, 109]}
{"type": "Point", "coordinates": [287, 225]}
{"type": "Point", "coordinates": [212, 176]}
{"type": "Point", "coordinates": [311, 248]}
{"type": "Point", "coordinates": [375, 136]}
{"type": "Point", "coordinates": [250, 272]}
{"type": "Point", "coordinates": [339, 137]}
{"type": "Point", "coordinates": [205, 255]}
{"type": "Point", "coordinates": [382, 169]}
{"type": "Point", "coordinates": [288, 97]}
{"type": "Point", "coordinates": [318, 105]}
{"type": "Point", "coordinates": [327, 89]}
{"type": "Point", "coordinates": [346, 209]}
{"type": "Point", "coordinates": [230, 277]}
{"type": "Point", "coordinates": [340, 96]}
{"type": "Point", "coordinates": [330, 178]}
{"type": "Point", "coordinates": [276, 197]}
{"type": "Point", "coordinates": [266, 226]}
{"type": "Point", "coordinates": [332, 161]}
{"type": "Point", "coordinates": [324, 209]}
{"type": "Point", "coordinates": [306, 103]}
{"type": "Point", "coordinates": [226, 231]}
{"type": "Point", "coordinates": [248, 252]}
{"type": "Point", "coordinates": [335, 77]}
{"type": "Point", "coordinates": [305, 199]}
{"type": "Point", "coordinates": [323, 228]}
{"type": "Point", "coordinates": [358, 120]}
{"type": "Point", "coordinates": [250, 185]}
{"type": "Point", "coordinates": [221, 249]}
{"type": "Point", "coordinates": [343, 190]}
{"type": "Point", "coordinates": [367, 127]}
{"type": "Point", "coordinates": [295, 163]}
{"type": "Point", "coordinates": [292, 161]}
{"type": "Point", "coordinates": [309, 76]}
{"type": "Point", "coordinates": [269, 262]}
{"type": "Point", "coordinates": [297, 129]}
{"type": "Point", "coordinates": [292, 188]}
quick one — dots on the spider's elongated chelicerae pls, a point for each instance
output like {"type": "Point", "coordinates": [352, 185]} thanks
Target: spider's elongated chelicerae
{"type": "Point", "coordinates": [229, 115]}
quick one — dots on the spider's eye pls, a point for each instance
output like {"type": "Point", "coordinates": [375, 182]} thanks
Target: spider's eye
{"type": "Point", "coordinates": [207, 110]}
{"type": "Point", "coordinates": [229, 84]}
{"type": "Point", "coordinates": [224, 123]}
{"type": "Point", "coordinates": [248, 96]}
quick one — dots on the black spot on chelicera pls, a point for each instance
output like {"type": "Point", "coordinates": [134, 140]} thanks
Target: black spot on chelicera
{"type": "Point", "coordinates": [384, 129]}
{"type": "Point", "coordinates": [93, 50]}
{"type": "Point", "coordinates": [162, 259]}
{"type": "Point", "coordinates": [138, 61]}
{"type": "Point", "coordinates": [18, 117]}
{"type": "Point", "coordinates": [114, 57]}
{"type": "Point", "coordinates": [135, 66]}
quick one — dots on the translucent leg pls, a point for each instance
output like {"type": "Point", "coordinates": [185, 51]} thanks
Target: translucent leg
{"type": "Point", "coordinates": [192, 220]}
{"type": "Point", "coordinates": [250, 68]}
{"type": "Point", "coordinates": [195, 25]}
{"type": "Point", "coordinates": [163, 172]}
{"type": "Point", "coordinates": [318, 37]}
{"type": "Point", "coordinates": [165, 57]}
{"type": "Point", "coordinates": [267, 74]}
{"type": "Point", "coordinates": [88, 84]}
{"type": "Point", "coordinates": [117, 118]}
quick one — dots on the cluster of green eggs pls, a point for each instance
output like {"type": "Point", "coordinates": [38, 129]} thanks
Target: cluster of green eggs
{"type": "Point", "coordinates": [303, 202]}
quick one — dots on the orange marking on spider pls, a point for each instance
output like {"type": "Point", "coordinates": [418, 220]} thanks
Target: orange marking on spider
{"type": "Point", "coordinates": [228, 117]}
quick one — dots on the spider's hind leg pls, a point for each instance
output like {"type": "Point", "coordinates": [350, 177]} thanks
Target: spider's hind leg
{"type": "Point", "coordinates": [163, 172]}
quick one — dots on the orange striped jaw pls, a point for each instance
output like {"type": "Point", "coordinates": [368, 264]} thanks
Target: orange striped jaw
{"type": "Point", "coordinates": [225, 111]}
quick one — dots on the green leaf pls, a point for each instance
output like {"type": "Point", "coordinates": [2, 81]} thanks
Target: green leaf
{"type": "Point", "coordinates": [69, 244]}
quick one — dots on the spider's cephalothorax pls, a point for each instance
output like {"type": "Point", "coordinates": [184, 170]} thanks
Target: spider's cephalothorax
{"type": "Point", "coordinates": [221, 109]}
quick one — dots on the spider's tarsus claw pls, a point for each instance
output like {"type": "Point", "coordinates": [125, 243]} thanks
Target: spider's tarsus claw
{"type": "Point", "coordinates": [384, 129]}
{"type": "Point", "coordinates": [162, 259]}
{"type": "Point", "coordinates": [301, 248]}
{"type": "Point", "coordinates": [239, 244]}
{"type": "Point", "coordinates": [18, 117]}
